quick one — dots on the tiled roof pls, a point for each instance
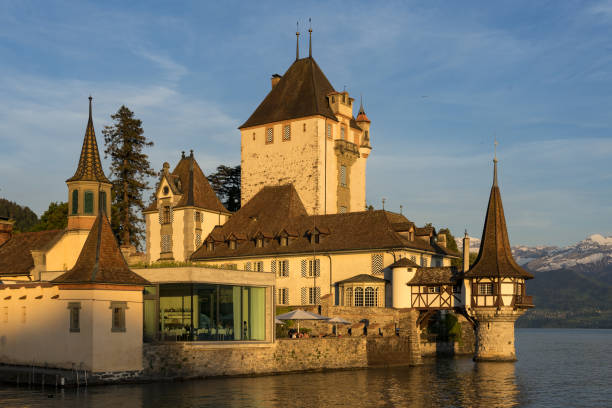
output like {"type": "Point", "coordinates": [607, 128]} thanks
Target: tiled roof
{"type": "Point", "coordinates": [301, 92]}
{"type": "Point", "coordinates": [404, 263]}
{"type": "Point", "coordinates": [443, 275]}
{"type": "Point", "coordinates": [188, 179]}
{"type": "Point", "coordinates": [279, 208]}
{"type": "Point", "coordinates": [15, 255]}
{"type": "Point", "coordinates": [90, 166]}
{"type": "Point", "coordinates": [495, 257]}
{"type": "Point", "coordinates": [100, 260]}
{"type": "Point", "coordinates": [363, 278]}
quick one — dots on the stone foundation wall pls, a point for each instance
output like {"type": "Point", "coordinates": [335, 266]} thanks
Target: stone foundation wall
{"type": "Point", "coordinates": [495, 334]}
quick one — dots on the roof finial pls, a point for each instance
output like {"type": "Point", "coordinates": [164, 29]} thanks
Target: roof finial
{"type": "Point", "coordinates": [191, 153]}
{"type": "Point", "coordinates": [361, 104]}
{"type": "Point", "coordinates": [90, 98]}
{"type": "Point", "coordinates": [401, 209]}
{"type": "Point", "coordinates": [495, 163]}
{"type": "Point", "coordinates": [297, 45]}
{"type": "Point", "coordinates": [310, 38]}
{"type": "Point", "coordinates": [383, 203]}
{"type": "Point", "coordinates": [183, 154]}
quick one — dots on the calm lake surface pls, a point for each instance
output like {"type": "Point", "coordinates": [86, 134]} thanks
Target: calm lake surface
{"type": "Point", "coordinates": [556, 368]}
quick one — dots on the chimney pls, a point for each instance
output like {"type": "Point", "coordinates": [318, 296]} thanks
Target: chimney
{"type": "Point", "coordinates": [275, 78]}
{"type": "Point", "coordinates": [442, 240]}
{"type": "Point", "coordinates": [6, 229]}
{"type": "Point", "coordinates": [466, 252]}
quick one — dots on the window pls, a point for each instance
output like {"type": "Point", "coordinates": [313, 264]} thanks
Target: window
{"type": "Point", "coordinates": [102, 201]}
{"type": "Point", "coordinates": [210, 246]}
{"type": "Point", "coordinates": [287, 132]}
{"type": "Point", "coordinates": [343, 175]}
{"type": "Point", "coordinates": [314, 296]}
{"type": "Point", "coordinates": [258, 266]}
{"type": "Point", "coordinates": [89, 202]}
{"type": "Point", "coordinates": [247, 266]}
{"type": "Point", "coordinates": [433, 289]}
{"type": "Point", "coordinates": [197, 216]}
{"type": "Point", "coordinates": [284, 241]}
{"type": "Point", "coordinates": [423, 261]}
{"type": "Point", "coordinates": [118, 316]}
{"type": "Point", "coordinates": [253, 135]}
{"type": "Point", "coordinates": [358, 296]}
{"type": "Point", "coordinates": [342, 209]}
{"type": "Point", "coordinates": [348, 297]}
{"type": "Point", "coordinates": [269, 135]}
{"type": "Point", "coordinates": [232, 244]}
{"type": "Point", "coordinates": [166, 214]}
{"type": "Point", "coordinates": [166, 190]}
{"type": "Point", "coordinates": [315, 237]}
{"type": "Point", "coordinates": [370, 299]}
{"type": "Point", "coordinates": [377, 264]}
{"type": "Point", "coordinates": [282, 296]}
{"type": "Point", "coordinates": [259, 243]}
{"type": "Point", "coordinates": [367, 135]}
{"type": "Point", "coordinates": [413, 258]}
{"type": "Point", "coordinates": [329, 131]}
{"type": "Point", "coordinates": [166, 243]}
{"type": "Point", "coordinates": [75, 323]}
{"type": "Point", "coordinates": [342, 133]}
{"type": "Point", "coordinates": [198, 239]}
{"type": "Point", "coordinates": [317, 268]}
{"type": "Point", "coordinates": [283, 268]}
{"type": "Point", "coordinates": [75, 201]}
{"type": "Point", "coordinates": [304, 126]}
{"type": "Point", "coordinates": [485, 288]}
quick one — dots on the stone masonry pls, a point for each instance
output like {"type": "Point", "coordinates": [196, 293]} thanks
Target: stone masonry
{"type": "Point", "coordinates": [495, 333]}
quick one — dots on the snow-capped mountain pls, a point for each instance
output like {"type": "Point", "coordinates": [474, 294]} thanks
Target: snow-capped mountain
{"type": "Point", "coordinates": [474, 244]}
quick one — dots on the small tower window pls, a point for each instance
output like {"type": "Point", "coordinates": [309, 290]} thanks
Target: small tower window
{"type": "Point", "coordinates": [485, 288]}
{"type": "Point", "coordinates": [89, 202]}
{"type": "Point", "coordinates": [166, 190]}
{"type": "Point", "coordinates": [232, 244]}
{"type": "Point", "coordinates": [269, 135]}
{"type": "Point", "coordinates": [75, 324]}
{"type": "Point", "coordinates": [286, 132]}
{"type": "Point", "coordinates": [75, 201]}
{"type": "Point", "coordinates": [118, 316]}
{"type": "Point", "coordinates": [329, 131]}
{"type": "Point", "coordinates": [102, 201]}
{"type": "Point", "coordinates": [304, 126]}
{"type": "Point", "coordinates": [343, 176]}
{"type": "Point", "coordinates": [342, 133]}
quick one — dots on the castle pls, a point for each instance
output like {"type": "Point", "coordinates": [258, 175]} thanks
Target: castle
{"type": "Point", "coordinates": [303, 236]}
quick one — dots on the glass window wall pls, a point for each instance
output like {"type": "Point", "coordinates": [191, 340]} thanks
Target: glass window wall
{"type": "Point", "coordinates": [205, 312]}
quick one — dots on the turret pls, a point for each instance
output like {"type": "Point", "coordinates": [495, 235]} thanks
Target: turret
{"type": "Point", "coordinates": [364, 123]}
{"type": "Point", "coordinates": [89, 191]}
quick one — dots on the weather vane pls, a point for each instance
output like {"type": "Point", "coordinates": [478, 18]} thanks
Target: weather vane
{"type": "Point", "coordinates": [495, 143]}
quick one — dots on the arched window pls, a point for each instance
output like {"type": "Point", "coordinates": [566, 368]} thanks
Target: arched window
{"type": "Point", "coordinates": [75, 201]}
{"type": "Point", "coordinates": [88, 202]}
{"type": "Point", "coordinates": [358, 296]}
{"type": "Point", "coordinates": [369, 297]}
{"type": "Point", "coordinates": [348, 297]}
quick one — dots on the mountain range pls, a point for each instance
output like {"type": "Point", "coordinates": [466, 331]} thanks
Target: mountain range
{"type": "Point", "coordinates": [572, 285]}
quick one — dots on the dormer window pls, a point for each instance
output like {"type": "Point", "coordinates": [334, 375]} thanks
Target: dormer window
{"type": "Point", "coordinates": [232, 244]}
{"type": "Point", "coordinates": [259, 243]}
{"type": "Point", "coordinates": [210, 246]}
{"type": "Point", "coordinates": [166, 190]}
{"type": "Point", "coordinates": [314, 238]}
{"type": "Point", "coordinates": [284, 241]}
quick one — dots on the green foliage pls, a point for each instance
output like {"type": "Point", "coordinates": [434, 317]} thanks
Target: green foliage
{"type": "Point", "coordinates": [450, 239]}
{"type": "Point", "coordinates": [56, 217]}
{"type": "Point", "coordinates": [24, 217]}
{"type": "Point", "coordinates": [226, 184]}
{"type": "Point", "coordinates": [130, 167]}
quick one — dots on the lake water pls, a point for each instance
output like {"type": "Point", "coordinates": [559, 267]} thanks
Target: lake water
{"type": "Point", "coordinates": [556, 368]}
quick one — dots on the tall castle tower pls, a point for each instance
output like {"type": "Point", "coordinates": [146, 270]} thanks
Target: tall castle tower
{"type": "Point", "coordinates": [89, 191]}
{"type": "Point", "coordinates": [304, 133]}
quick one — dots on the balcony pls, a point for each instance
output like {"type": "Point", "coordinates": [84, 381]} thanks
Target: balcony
{"type": "Point", "coordinates": [523, 301]}
{"type": "Point", "coordinates": [344, 146]}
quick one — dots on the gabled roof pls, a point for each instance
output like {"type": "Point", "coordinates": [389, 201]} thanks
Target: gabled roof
{"type": "Point", "coordinates": [443, 275]}
{"type": "Point", "coordinates": [363, 278]}
{"type": "Point", "coordinates": [495, 257]}
{"type": "Point", "coordinates": [15, 254]}
{"type": "Point", "coordinates": [90, 166]}
{"type": "Point", "coordinates": [100, 260]}
{"type": "Point", "coordinates": [189, 180]}
{"type": "Point", "coordinates": [301, 92]}
{"type": "Point", "coordinates": [278, 208]}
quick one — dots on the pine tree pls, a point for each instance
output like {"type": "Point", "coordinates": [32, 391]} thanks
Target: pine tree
{"type": "Point", "coordinates": [226, 183]}
{"type": "Point", "coordinates": [130, 167]}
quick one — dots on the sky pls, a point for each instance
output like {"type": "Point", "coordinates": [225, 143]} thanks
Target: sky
{"type": "Point", "coordinates": [440, 81]}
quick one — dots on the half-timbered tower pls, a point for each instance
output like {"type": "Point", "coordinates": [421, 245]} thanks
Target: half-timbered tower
{"type": "Point", "coordinates": [495, 286]}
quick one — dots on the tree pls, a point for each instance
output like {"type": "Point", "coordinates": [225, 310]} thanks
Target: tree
{"type": "Point", "coordinates": [226, 183]}
{"type": "Point", "coordinates": [56, 217]}
{"type": "Point", "coordinates": [452, 245]}
{"type": "Point", "coordinates": [24, 217]}
{"type": "Point", "coordinates": [130, 167]}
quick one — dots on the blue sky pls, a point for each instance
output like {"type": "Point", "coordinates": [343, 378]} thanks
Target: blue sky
{"type": "Point", "coordinates": [440, 80]}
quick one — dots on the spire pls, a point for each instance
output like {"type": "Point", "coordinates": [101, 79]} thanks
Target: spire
{"type": "Point", "coordinates": [361, 116]}
{"type": "Point", "coordinates": [495, 163]}
{"type": "Point", "coordinates": [495, 256]}
{"type": "Point", "coordinates": [310, 38]}
{"type": "Point", "coordinates": [297, 44]}
{"type": "Point", "coordinates": [90, 166]}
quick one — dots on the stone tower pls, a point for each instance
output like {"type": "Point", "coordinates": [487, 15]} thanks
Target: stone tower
{"type": "Point", "coordinates": [304, 133]}
{"type": "Point", "coordinates": [495, 286]}
{"type": "Point", "coordinates": [89, 191]}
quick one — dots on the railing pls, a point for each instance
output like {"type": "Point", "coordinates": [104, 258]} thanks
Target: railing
{"type": "Point", "coordinates": [524, 301]}
{"type": "Point", "coordinates": [346, 146]}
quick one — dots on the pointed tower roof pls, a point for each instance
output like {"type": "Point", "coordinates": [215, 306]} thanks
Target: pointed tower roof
{"type": "Point", "coordinates": [495, 256]}
{"type": "Point", "coordinates": [90, 166]}
{"type": "Point", "coordinates": [361, 116]}
{"type": "Point", "coordinates": [100, 260]}
{"type": "Point", "coordinates": [301, 92]}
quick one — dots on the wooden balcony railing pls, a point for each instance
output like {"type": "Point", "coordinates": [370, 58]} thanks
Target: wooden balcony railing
{"type": "Point", "coordinates": [524, 301]}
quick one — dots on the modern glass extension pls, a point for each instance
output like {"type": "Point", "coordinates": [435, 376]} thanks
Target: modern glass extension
{"type": "Point", "coordinates": [204, 312]}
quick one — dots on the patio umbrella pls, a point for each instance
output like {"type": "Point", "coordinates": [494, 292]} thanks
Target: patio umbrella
{"type": "Point", "coordinates": [299, 314]}
{"type": "Point", "coordinates": [278, 321]}
{"type": "Point", "coordinates": [336, 321]}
